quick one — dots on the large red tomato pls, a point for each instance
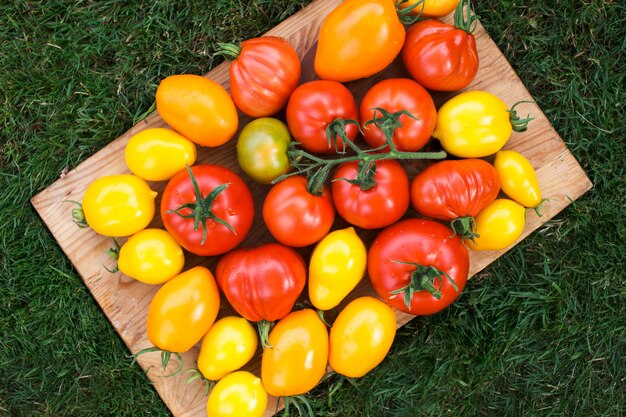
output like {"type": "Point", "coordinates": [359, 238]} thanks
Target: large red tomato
{"type": "Point", "coordinates": [455, 191]}
{"type": "Point", "coordinates": [439, 56]}
{"type": "Point", "coordinates": [415, 266]}
{"type": "Point", "coordinates": [381, 202]}
{"type": "Point", "coordinates": [312, 110]}
{"type": "Point", "coordinates": [263, 74]}
{"type": "Point", "coordinates": [294, 216]}
{"type": "Point", "coordinates": [396, 95]}
{"type": "Point", "coordinates": [208, 209]}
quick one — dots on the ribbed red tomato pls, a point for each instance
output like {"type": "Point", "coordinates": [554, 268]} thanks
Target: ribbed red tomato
{"type": "Point", "coordinates": [263, 74]}
{"type": "Point", "coordinates": [417, 266]}
{"type": "Point", "coordinates": [318, 106]}
{"type": "Point", "coordinates": [395, 96]}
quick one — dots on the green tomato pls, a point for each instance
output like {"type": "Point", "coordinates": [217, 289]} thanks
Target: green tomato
{"type": "Point", "coordinates": [262, 149]}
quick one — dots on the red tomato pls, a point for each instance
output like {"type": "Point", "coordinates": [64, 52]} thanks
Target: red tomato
{"type": "Point", "coordinates": [371, 208]}
{"type": "Point", "coordinates": [263, 74]}
{"type": "Point", "coordinates": [450, 190]}
{"type": "Point", "coordinates": [394, 95]}
{"type": "Point", "coordinates": [439, 56]}
{"type": "Point", "coordinates": [198, 217]}
{"type": "Point", "coordinates": [313, 107]}
{"type": "Point", "coordinates": [262, 283]}
{"type": "Point", "coordinates": [408, 263]}
{"type": "Point", "coordinates": [296, 217]}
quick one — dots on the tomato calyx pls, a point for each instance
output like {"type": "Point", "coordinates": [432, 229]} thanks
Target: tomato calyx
{"type": "Point", "coordinates": [405, 14]}
{"type": "Point", "coordinates": [519, 125]}
{"type": "Point", "coordinates": [300, 402]}
{"type": "Point", "coordinates": [202, 209]}
{"type": "Point", "coordinates": [423, 279]}
{"type": "Point", "coordinates": [337, 130]}
{"type": "Point", "coordinates": [230, 51]}
{"type": "Point", "coordinates": [465, 18]}
{"type": "Point", "coordinates": [388, 123]}
{"type": "Point", "coordinates": [165, 358]}
{"type": "Point", "coordinates": [264, 328]}
{"type": "Point", "coordinates": [114, 253]}
{"type": "Point", "coordinates": [78, 216]}
{"type": "Point", "coordinates": [465, 227]}
{"type": "Point", "coordinates": [197, 374]}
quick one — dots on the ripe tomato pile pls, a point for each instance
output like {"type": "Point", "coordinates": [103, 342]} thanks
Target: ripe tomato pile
{"type": "Point", "coordinates": [330, 156]}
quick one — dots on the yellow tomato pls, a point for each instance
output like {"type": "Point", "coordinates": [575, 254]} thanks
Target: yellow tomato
{"type": "Point", "coordinates": [432, 8]}
{"type": "Point", "coordinates": [498, 225]}
{"type": "Point", "coordinates": [475, 124]}
{"type": "Point", "coordinates": [199, 108]}
{"type": "Point", "coordinates": [229, 345]}
{"type": "Point", "coordinates": [337, 265]}
{"type": "Point", "coordinates": [239, 394]}
{"type": "Point", "coordinates": [518, 178]}
{"type": "Point", "coordinates": [158, 154]}
{"type": "Point", "coordinates": [361, 336]}
{"type": "Point", "coordinates": [118, 205]}
{"type": "Point", "coordinates": [297, 358]}
{"type": "Point", "coordinates": [151, 256]}
{"type": "Point", "coordinates": [183, 310]}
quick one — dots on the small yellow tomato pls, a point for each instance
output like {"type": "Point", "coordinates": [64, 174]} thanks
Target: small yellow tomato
{"type": "Point", "coordinates": [337, 265]}
{"type": "Point", "coordinates": [297, 358]}
{"type": "Point", "coordinates": [158, 154]}
{"type": "Point", "coordinates": [518, 178]}
{"type": "Point", "coordinates": [199, 108]}
{"type": "Point", "coordinates": [361, 336]}
{"type": "Point", "coordinates": [432, 8]}
{"type": "Point", "coordinates": [498, 225]}
{"type": "Point", "coordinates": [118, 205]}
{"type": "Point", "coordinates": [183, 310]}
{"type": "Point", "coordinates": [475, 124]}
{"type": "Point", "coordinates": [240, 394]}
{"type": "Point", "coordinates": [229, 345]}
{"type": "Point", "coordinates": [151, 256]}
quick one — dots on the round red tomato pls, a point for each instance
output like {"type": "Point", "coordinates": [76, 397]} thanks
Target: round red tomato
{"type": "Point", "coordinates": [262, 283]}
{"type": "Point", "coordinates": [210, 214]}
{"type": "Point", "coordinates": [294, 216]}
{"type": "Point", "coordinates": [417, 267]}
{"type": "Point", "coordinates": [263, 74]}
{"type": "Point", "coordinates": [455, 191]}
{"type": "Point", "coordinates": [313, 107]}
{"type": "Point", "coordinates": [439, 56]}
{"type": "Point", "coordinates": [395, 95]}
{"type": "Point", "coordinates": [381, 202]}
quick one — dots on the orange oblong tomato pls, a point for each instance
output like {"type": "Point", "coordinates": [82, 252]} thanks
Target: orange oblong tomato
{"type": "Point", "coordinates": [198, 108]}
{"type": "Point", "coordinates": [357, 39]}
{"type": "Point", "coordinates": [297, 357]}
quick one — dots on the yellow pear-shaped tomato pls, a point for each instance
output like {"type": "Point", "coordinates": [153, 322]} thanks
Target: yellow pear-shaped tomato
{"type": "Point", "coordinates": [361, 336]}
{"type": "Point", "coordinates": [183, 310]}
{"type": "Point", "coordinates": [240, 394]}
{"type": "Point", "coordinates": [432, 8]}
{"type": "Point", "coordinates": [199, 108]}
{"type": "Point", "coordinates": [118, 205]}
{"type": "Point", "coordinates": [518, 178]}
{"type": "Point", "coordinates": [337, 265]}
{"type": "Point", "coordinates": [297, 358]}
{"type": "Point", "coordinates": [152, 256]}
{"type": "Point", "coordinates": [229, 345]}
{"type": "Point", "coordinates": [498, 225]}
{"type": "Point", "coordinates": [157, 154]}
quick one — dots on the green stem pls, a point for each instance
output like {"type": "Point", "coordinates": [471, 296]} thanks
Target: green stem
{"type": "Point", "coordinates": [165, 358]}
{"type": "Point", "coordinates": [423, 279]}
{"type": "Point", "coordinates": [519, 125]}
{"type": "Point", "coordinates": [464, 227]}
{"type": "Point", "coordinates": [78, 216]}
{"type": "Point", "coordinates": [465, 18]}
{"type": "Point", "coordinates": [229, 50]}
{"type": "Point", "coordinates": [114, 253]}
{"type": "Point", "coordinates": [263, 328]}
{"type": "Point", "coordinates": [406, 15]}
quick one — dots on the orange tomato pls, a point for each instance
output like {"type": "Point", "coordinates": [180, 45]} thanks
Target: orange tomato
{"type": "Point", "coordinates": [357, 39]}
{"type": "Point", "coordinates": [198, 108]}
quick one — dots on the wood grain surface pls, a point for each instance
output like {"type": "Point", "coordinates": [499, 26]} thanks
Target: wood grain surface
{"type": "Point", "coordinates": [125, 301]}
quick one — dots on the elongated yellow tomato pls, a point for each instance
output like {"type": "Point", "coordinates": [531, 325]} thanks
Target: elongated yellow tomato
{"type": "Point", "coordinates": [157, 154]}
{"type": "Point", "coordinates": [337, 265]}
{"type": "Point", "coordinates": [118, 205]}
{"type": "Point", "coordinates": [229, 345]}
{"type": "Point", "coordinates": [361, 336]}
{"type": "Point", "coordinates": [199, 108]}
{"type": "Point", "coordinates": [518, 178]}
{"type": "Point", "coordinates": [297, 358]}
{"type": "Point", "coordinates": [239, 394]}
{"type": "Point", "coordinates": [475, 124]}
{"type": "Point", "coordinates": [357, 39]}
{"type": "Point", "coordinates": [183, 310]}
{"type": "Point", "coordinates": [498, 225]}
{"type": "Point", "coordinates": [432, 8]}
{"type": "Point", "coordinates": [151, 256]}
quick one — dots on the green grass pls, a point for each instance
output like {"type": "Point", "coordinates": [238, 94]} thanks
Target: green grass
{"type": "Point", "coordinates": [541, 332]}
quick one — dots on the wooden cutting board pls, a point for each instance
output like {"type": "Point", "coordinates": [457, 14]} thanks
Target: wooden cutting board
{"type": "Point", "coordinates": [125, 301]}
